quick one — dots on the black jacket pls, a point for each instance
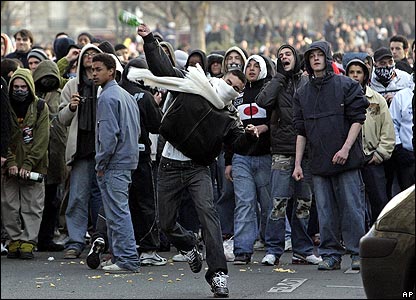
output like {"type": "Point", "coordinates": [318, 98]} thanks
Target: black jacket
{"type": "Point", "coordinates": [192, 124]}
{"type": "Point", "coordinates": [277, 95]}
{"type": "Point", "coordinates": [324, 110]}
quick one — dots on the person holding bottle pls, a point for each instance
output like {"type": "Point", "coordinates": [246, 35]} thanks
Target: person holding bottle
{"type": "Point", "coordinates": [22, 199]}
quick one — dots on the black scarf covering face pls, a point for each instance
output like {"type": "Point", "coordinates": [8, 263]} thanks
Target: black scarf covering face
{"type": "Point", "coordinates": [87, 108]}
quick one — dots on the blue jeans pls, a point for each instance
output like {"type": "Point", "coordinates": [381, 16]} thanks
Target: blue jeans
{"type": "Point", "coordinates": [83, 190]}
{"type": "Point", "coordinates": [114, 186]}
{"type": "Point", "coordinates": [251, 176]}
{"type": "Point", "coordinates": [174, 177]}
{"type": "Point", "coordinates": [284, 187]}
{"type": "Point", "coordinates": [340, 202]}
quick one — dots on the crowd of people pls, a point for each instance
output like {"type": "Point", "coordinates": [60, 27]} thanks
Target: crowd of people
{"type": "Point", "coordinates": [299, 149]}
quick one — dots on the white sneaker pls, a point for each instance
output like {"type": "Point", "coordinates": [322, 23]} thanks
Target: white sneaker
{"type": "Point", "coordinates": [179, 258]}
{"type": "Point", "coordinates": [288, 245]}
{"type": "Point", "coordinates": [269, 260]}
{"type": "Point", "coordinates": [151, 258]}
{"type": "Point", "coordinates": [116, 269]}
{"type": "Point", "coordinates": [106, 263]}
{"type": "Point", "coordinates": [4, 250]}
{"type": "Point", "coordinates": [302, 260]}
{"type": "Point", "coordinates": [258, 245]}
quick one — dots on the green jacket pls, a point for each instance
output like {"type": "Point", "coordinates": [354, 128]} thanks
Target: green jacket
{"type": "Point", "coordinates": [32, 156]}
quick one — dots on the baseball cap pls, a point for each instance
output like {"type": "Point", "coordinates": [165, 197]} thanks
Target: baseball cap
{"type": "Point", "coordinates": [382, 53]}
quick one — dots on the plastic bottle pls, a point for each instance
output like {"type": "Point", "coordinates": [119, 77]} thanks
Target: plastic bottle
{"type": "Point", "coordinates": [129, 19]}
{"type": "Point", "coordinates": [34, 176]}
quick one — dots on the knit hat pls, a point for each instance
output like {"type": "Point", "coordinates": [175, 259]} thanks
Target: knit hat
{"type": "Point", "coordinates": [37, 53]}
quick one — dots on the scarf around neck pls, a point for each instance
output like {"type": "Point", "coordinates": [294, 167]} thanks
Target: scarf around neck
{"type": "Point", "coordinates": [214, 90]}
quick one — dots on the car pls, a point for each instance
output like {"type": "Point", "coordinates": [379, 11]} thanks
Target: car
{"type": "Point", "coordinates": [387, 251]}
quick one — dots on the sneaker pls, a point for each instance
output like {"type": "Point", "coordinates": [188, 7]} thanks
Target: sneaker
{"type": "Point", "coordinates": [179, 258]}
{"type": "Point", "coordinates": [355, 262]}
{"type": "Point", "coordinates": [298, 259]}
{"type": "Point", "coordinates": [94, 256]}
{"type": "Point", "coordinates": [288, 245]}
{"type": "Point", "coordinates": [151, 258]}
{"type": "Point", "coordinates": [26, 250]}
{"type": "Point", "coordinates": [194, 258]}
{"type": "Point", "coordinates": [106, 263]}
{"type": "Point", "coordinates": [329, 263]}
{"type": "Point", "coordinates": [219, 285]}
{"type": "Point", "coordinates": [51, 247]}
{"type": "Point", "coordinates": [114, 269]}
{"type": "Point", "coordinates": [72, 254]}
{"type": "Point", "coordinates": [259, 245]}
{"type": "Point", "coordinates": [14, 249]}
{"type": "Point", "coordinates": [270, 260]}
{"type": "Point", "coordinates": [4, 250]}
{"type": "Point", "coordinates": [242, 259]}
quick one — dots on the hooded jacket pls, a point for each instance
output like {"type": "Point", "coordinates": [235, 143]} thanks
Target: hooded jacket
{"type": "Point", "coordinates": [196, 128]}
{"type": "Point", "coordinates": [378, 129]}
{"type": "Point", "coordinates": [150, 113]}
{"type": "Point", "coordinates": [65, 115]}
{"type": "Point", "coordinates": [239, 51]}
{"type": "Point", "coordinates": [47, 78]}
{"type": "Point", "coordinates": [251, 113]}
{"type": "Point", "coordinates": [32, 155]}
{"type": "Point", "coordinates": [277, 95]}
{"type": "Point", "coordinates": [324, 110]}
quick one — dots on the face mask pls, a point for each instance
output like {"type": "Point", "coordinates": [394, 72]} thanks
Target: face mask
{"type": "Point", "coordinates": [234, 66]}
{"type": "Point", "coordinates": [71, 75]}
{"type": "Point", "coordinates": [20, 95]}
{"type": "Point", "coordinates": [47, 84]}
{"type": "Point", "coordinates": [384, 74]}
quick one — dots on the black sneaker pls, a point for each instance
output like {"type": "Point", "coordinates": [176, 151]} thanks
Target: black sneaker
{"type": "Point", "coordinates": [219, 285]}
{"type": "Point", "coordinates": [242, 259]}
{"type": "Point", "coordinates": [94, 256]}
{"type": "Point", "coordinates": [194, 258]}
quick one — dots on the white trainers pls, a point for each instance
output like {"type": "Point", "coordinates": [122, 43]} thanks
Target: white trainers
{"type": "Point", "coordinates": [302, 260]}
{"type": "Point", "coordinates": [116, 269]}
{"type": "Point", "coordinates": [258, 245]}
{"type": "Point", "coordinates": [179, 258]}
{"type": "Point", "coordinates": [106, 263]}
{"type": "Point", "coordinates": [151, 258]}
{"type": "Point", "coordinates": [288, 245]}
{"type": "Point", "coordinates": [269, 260]}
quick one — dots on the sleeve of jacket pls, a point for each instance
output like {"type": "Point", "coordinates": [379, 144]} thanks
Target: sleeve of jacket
{"type": "Point", "coordinates": [157, 60]}
{"type": "Point", "coordinates": [355, 102]}
{"type": "Point", "coordinates": [108, 133]}
{"type": "Point", "coordinates": [298, 121]}
{"type": "Point", "coordinates": [269, 93]}
{"type": "Point", "coordinates": [65, 115]}
{"type": "Point", "coordinates": [387, 136]}
{"type": "Point", "coordinates": [150, 113]}
{"type": "Point", "coordinates": [40, 140]}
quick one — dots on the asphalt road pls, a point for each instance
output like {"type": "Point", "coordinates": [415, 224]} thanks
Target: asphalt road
{"type": "Point", "coordinates": [60, 278]}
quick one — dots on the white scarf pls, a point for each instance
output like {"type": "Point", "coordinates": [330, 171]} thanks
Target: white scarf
{"type": "Point", "coordinates": [215, 90]}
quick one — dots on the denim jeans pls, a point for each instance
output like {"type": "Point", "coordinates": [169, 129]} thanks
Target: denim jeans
{"type": "Point", "coordinates": [251, 176]}
{"type": "Point", "coordinates": [284, 187]}
{"type": "Point", "coordinates": [226, 202]}
{"type": "Point", "coordinates": [174, 177]}
{"type": "Point", "coordinates": [340, 201]}
{"type": "Point", "coordinates": [114, 187]}
{"type": "Point", "coordinates": [83, 190]}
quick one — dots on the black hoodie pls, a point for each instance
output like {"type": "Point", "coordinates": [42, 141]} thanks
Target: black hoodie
{"type": "Point", "coordinates": [150, 113]}
{"type": "Point", "coordinates": [324, 110]}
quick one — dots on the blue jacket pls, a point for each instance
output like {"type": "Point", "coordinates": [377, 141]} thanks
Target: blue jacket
{"type": "Point", "coordinates": [117, 129]}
